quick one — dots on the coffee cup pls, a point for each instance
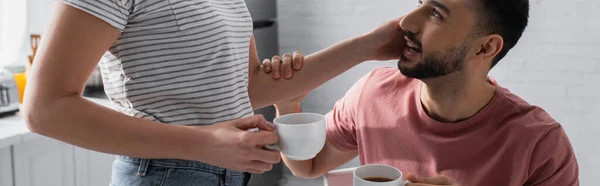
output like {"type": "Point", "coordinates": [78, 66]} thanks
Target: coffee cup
{"type": "Point", "coordinates": [301, 135]}
{"type": "Point", "coordinates": [378, 175]}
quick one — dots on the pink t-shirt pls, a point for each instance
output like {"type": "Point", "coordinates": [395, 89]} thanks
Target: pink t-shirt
{"type": "Point", "coordinates": [508, 143]}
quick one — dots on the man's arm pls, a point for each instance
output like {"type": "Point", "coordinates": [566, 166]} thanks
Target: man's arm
{"type": "Point", "coordinates": [328, 159]}
{"type": "Point", "coordinates": [384, 43]}
{"type": "Point", "coordinates": [341, 145]}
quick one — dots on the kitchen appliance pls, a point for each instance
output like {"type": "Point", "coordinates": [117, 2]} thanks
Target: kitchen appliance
{"type": "Point", "coordinates": [9, 94]}
{"type": "Point", "coordinates": [264, 17]}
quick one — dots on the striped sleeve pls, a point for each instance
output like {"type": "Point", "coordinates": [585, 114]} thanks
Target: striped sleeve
{"type": "Point", "coordinates": [114, 12]}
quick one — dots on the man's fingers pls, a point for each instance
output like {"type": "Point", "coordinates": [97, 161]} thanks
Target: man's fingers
{"type": "Point", "coordinates": [298, 60]}
{"type": "Point", "coordinates": [286, 67]}
{"type": "Point", "coordinates": [266, 66]}
{"type": "Point", "coordinates": [421, 184]}
{"type": "Point", "coordinates": [275, 66]}
{"type": "Point", "coordinates": [437, 180]}
{"type": "Point", "coordinates": [412, 178]}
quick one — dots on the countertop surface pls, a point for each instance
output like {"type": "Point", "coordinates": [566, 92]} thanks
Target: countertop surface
{"type": "Point", "coordinates": [13, 129]}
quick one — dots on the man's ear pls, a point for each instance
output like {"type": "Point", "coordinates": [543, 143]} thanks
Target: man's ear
{"type": "Point", "coordinates": [489, 47]}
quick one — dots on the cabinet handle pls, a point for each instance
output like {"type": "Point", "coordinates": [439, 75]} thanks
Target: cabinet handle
{"type": "Point", "coordinates": [262, 24]}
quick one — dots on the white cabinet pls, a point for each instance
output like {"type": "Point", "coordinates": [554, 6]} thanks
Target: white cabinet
{"type": "Point", "coordinates": [6, 176]}
{"type": "Point", "coordinates": [42, 162]}
{"type": "Point", "coordinates": [92, 168]}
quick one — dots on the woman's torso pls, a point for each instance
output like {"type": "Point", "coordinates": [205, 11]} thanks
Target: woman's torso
{"type": "Point", "coordinates": [181, 62]}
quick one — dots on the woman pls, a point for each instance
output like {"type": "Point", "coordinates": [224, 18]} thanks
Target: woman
{"type": "Point", "coordinates": [185, 78]}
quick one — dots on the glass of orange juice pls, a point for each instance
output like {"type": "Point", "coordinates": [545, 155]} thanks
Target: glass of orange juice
{"type": "Point", "coordinates": [21, 80]}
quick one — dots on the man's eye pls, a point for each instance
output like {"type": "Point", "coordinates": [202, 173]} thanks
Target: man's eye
{"type": "Point", "coordinates": [435, 13]}
{"type": "Point", "coordinates": [419, 3]}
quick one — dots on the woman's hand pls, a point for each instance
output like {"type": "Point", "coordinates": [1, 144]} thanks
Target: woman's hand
{"type": "Point", "coordinates": [386, 42]}
{"type": "Point", "coordinates": [233, 146]}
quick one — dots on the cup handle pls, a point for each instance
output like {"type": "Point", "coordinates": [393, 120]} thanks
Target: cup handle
{"type": "Point", "coordinates": [404, 183]}
{"type": "Point", "coordinates": [273, 147]}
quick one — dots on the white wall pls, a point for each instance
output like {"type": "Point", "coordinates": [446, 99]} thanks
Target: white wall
{"type": "Point", "coordinates": [12, 30]}
{"type": "Point", "coordinates": [555, 65]}
{"type": "Point", "coordinates": [37, 17]}
{"type": "Point", "coordinates": [39, 14]}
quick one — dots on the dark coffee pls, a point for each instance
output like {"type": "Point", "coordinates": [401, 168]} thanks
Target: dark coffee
{"type": "Point", "coordinates": [378, 179]}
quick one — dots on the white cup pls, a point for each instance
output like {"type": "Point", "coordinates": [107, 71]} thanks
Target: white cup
{"type": "Point", "coordinates": [301, 135]}
{"type": "Point", "coordinates": [365, 172]}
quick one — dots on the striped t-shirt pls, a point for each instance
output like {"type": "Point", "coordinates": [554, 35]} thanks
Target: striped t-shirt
{"type": "Point", "coordinates": [181, 62]}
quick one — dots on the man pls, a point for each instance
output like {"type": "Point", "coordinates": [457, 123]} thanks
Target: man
{"type": "Point", "coordinates": [440, 117]}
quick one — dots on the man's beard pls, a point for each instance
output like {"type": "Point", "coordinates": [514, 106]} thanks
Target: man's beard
{"type": "Point", "coordinates": [436, 64]}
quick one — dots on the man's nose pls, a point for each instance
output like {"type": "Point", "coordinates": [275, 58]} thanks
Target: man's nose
{"type": "Point", "coordinates": [410, 23]}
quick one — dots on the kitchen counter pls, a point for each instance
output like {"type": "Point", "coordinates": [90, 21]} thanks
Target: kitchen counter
{"type": "Point", "coordinates": [13, 130]}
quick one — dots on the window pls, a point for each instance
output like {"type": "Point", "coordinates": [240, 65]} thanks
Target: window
{"type": "Point", "coordinates": [13, 18]}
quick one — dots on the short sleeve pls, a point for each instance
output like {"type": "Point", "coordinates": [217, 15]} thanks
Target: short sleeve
{"type": "Point", "coordinates": [341, 120]}
{"type": "Point", "coordinates": [114, 12]}
{"type": "Point", "coordinates": [553, 161]}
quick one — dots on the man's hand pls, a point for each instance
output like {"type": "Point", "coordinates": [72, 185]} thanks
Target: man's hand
{"type": "Point", "coordinates": [430, 181]}
{"type": "Point", "coordinates": [386, 42]}
{"type": "Point", "coordinates": [234, 147]}
{"type": "Point", "coordinates": [277, 66]}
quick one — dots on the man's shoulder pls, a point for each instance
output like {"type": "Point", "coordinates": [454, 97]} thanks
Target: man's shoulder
{"type": "Point", "coordinates": [542, 139]}
{"type": "Point", "coordinates": [525, 118]}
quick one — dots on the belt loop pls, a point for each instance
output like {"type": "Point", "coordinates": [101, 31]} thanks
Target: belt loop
{"type": "Point", "coordinates": [143, 167]}
{"type": "Point", "coordinates": [247, 177]}
{"type": "Point", "coordinates": [227, 174]}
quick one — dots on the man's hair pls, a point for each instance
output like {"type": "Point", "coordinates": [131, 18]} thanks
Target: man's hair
{"type": "Point", "coordinates": [507, 18]}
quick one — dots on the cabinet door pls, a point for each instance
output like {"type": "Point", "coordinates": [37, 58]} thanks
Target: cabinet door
{"type": "Point", "coordinates": [44, 161]}
{"type": "Point", "coordinates": [93, 168]}
{"type": "Point", "coordinates": [6, 175]}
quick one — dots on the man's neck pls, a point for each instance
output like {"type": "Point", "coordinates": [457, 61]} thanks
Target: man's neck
{"type": "Point", "coordinates": [455, 98]}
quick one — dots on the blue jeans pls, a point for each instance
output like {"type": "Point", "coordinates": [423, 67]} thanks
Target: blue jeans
{"type": "Point", "coordinates": [128, 171]}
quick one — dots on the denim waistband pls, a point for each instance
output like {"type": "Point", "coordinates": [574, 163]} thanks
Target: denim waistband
{"type": "Point", "coordinates": [182, 164]}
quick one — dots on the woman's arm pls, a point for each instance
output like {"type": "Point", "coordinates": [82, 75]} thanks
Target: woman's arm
{"type": "Point", "coordinates": [54, 107]}
{"type": "Point", "coordinates": [384, 43]}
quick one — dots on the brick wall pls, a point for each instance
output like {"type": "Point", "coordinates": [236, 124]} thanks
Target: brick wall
{"type": "Point", "coordinates": [555, 65]}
